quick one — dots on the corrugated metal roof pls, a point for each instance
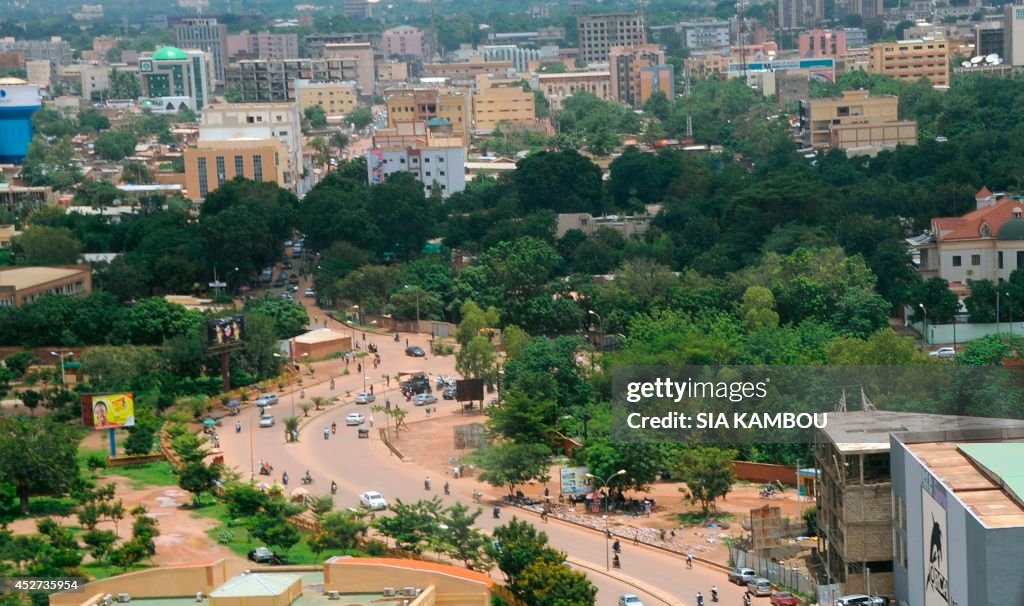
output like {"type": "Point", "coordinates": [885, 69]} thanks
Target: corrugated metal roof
{"type": "Point", "coordinates": [255, 585]}
{"type": "Point", "coordinates": [1002, 461]}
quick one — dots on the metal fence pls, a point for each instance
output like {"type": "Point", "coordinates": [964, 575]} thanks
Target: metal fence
{"type": "Point", "coordinates": [792, 578]}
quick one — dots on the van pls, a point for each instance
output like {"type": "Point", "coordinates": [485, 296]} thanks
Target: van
{"type": "Point", "coordinates": [268, 274]}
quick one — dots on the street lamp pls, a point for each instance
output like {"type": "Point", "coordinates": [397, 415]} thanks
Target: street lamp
{"type": "Point", "coordinates": [277, 355]}
{"type": "Point", "coordinates": [63, 354]}
{"type": "Point", "coordinates": [925, 312]}
{"type": "Point", "coordinates": [607, 534]}
{"type": "Point", "coordinates": [600, 333]}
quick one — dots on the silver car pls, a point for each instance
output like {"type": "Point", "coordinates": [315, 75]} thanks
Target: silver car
{"type": "Point", "coordinates": [365, 397]}
{"type": "Point", "coordinates": [742, 576]}
{"type": "Point", "coordinates": [760, 587]}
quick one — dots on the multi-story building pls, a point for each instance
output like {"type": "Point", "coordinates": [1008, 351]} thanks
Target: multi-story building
{"type": "Point", "coordinates": [172, 77]}
{"type": "Point", "coordinates": [958, 514]}
{"type": "Point", "coordinates": [392, 72]}
{"type": "Point", "coordinates": [404, 41]}
{"type": "Point", "coordinates": [800, 14]}
{"type": "Point", "coordinates": [543, 35]}
{"type": "Point", "coordinates": [336, 98]}
{"type": "Point", "coordinates": [598, 34]}
{"type": "Point", "coordinates": [700, 35]}
{"type": "Point", "coordinates": [204, 33]}
{"type": "Point", "coordinates": [21, 285]}
{"type": "Point", "coordinates": [625, 65]}
{"type": "Point", "coordinates": [17, 104]}
{"type": "Point", "coordinates": [39, 72]}
{"type": "Point", "coordinates": [261, 80]}
{"type": "Point", "coordinates": [627, 225]}
{"type": "Point", "coordinates": [440, 167]}
{"type": "Point", "coordinates": [984, 244]}
{"type": "Point", "coordinates": [657, 78]}
{"type": "Point", "coordinates": [361, 53]}
{"type": "Point", "coordinates": [989, 39]}
{"type": "Point", "coordinates": [95, 80]}
{"type": "Point", "coordinates": [518, 56]}
{"type": "Point", "coordinates": [452, 106]}
{"type": "Point", "coordinates": [823, 43]}
{"type": "Point", "coordinates": [262, 45]}
{"type": "Point", "coordinates": [54, 50]}
{"type": "Point", "coordinates": [211, 163]}
{"type": "Point", "coordinates": [279, 121]}
{"type": "Point", "coordinates": [510, 104]}
{"type": "Point", "coordinates": [868, 9]}
{"type": "Point", "coordinates": [359, 10]}
{"type": "Point", "coordinates": [855, 122]}
{"type": "Point", "coordinates": [316, 43]}
{"type": "Point", "coordinates": [912, 60]}
{"type": "Point", "coordinates": [1013, 33]}
{"type": "Point", "coordinates": [559, 87]}
{"type": "Point", "coordinates": [468, 70]}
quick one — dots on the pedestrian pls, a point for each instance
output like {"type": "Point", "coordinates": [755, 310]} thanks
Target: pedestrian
{"type": "Point", "coordinates": [359, 367]}
{"type": "Point", "coordinates": [544, 514]}
{"type": "Point", "coordinates": [662, 532]}
{"type": "Point", "coordinates": [636, 538]}
{"type": "Point", "coordinates": [388, 378]}
{"type": "Point", "coordinates": [371, 390]}
{"type": "Point", "coordinates": [387, 403]}
{"type": "Point", "coordinates": [332, 383]}
{"type": "Point", "coordinates": [302, 393]}
{"type": "Point", "coordinates": [371, 420]}
{"type": "Point", "coordinates": [407, 343]}
{"type": "Point", "coordinates": [547, 492]}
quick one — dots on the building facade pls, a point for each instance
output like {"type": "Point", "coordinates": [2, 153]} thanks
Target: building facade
{"type": "Point", "coordinates": [205, 34]}
{"type": "Point", "coordinates": [598, 34]}
{"type": "Point", "coordinates": [912, 60]}
{"type": "Point", "coordinates": [18, 101]}
{"type": "Point", "coordinates": [559, 87]}
{"type": "Point", "coordinates": [359, 55]}
{"type": "Point", "coordinates": [358, 10]}
{"type": "Point", "coordinates": [440, 167]}
{"type": "Point", "coordinates": [625, 65]}
{"type": "Point", "coordinates": [868, 9]}
{"type": "Point", "coordinates": [39, 72]}
{"type": "Point", "coordinates": [422, 105]}
{"type": "Point", "coordinates": [262, 45]}
{"type": "Point", "coordinates": [336, 98]}
{"type": "Point", "coordinates": [855, 121]}
{"type": "Point", "coordinates": [175, 76]}
{"type": "Point", "coordinates": [95, 80]}
{"type": "Point", "coordinates": [234, 122]}
{"type": "Point", "coordinates": [262, 80]}
{"type": "Point", "coordinates": [989, 39]}
{"type": "Point", "coordinates": [54, 50]}
{"type": "Point", "coordinates": [21, 285]}
{"type": "Point", "coordinates": [212, 163]}
{"type": "Point", "coordinates": [1013, 33]}
{"type": "Point", "coordinates": [495, 104]}
{"type": "Point", "coordinates": [800, 14]}
{"type": "Point", "coordinates": [468, 70]}
{"type": "Point", "coordinates": [822, 43]}
{"type": "Point", "coordinates": [403, 41]}
{"type": "Point", "coordinates": [316, 43]}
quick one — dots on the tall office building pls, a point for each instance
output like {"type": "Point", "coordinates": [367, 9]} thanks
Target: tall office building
{"type": "Point", "coordinates": [207, 35]}
{"type": "Point", "coordinates": [18, 101]}
{"type": "Point", "coordinates": [626, 64]}
{"type": "Point", "coordinates": [173, 78]}
{"type": "Point", "coordinates": [1013, 33]}
{"type": "Point", "coordinates": [799, 14]}
{"type": "Point", "coordinates": [868, 9]}
{"type": "Point", "coordinates": [598, 34]}
{"type": "Point", "coordinates": [912, 60]}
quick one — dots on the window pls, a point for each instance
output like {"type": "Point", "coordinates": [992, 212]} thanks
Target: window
{"type": "Point", "coordinates": [1000, 259]}
{"type": "Point", "coordinates": [239, 166]}
{"type": "Point", "coordinates": [221, 177]}
{"type": "Point", "coordinates": [1020, 258]}
{"type": "Point", "coordinates": [957, 261]}
{"type": "Point", "coordinates": [428, 173]}
{"type": "Point", "coordinates": [204, 185]}
{"type": "Point", "coordinates": [975, 260]}
{"type": "Point", "coordinates": [257, 168]}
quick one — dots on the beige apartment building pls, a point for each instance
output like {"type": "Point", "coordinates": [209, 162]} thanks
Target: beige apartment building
{"type": "Point", "coordinates": [598, 34]}
{"type": "Point", "coordinates": [505, 103]}
{"type": "Point", "coordinates": [392, 71]}
{"type": "Point", "coordinates": [626, 64]}
{"type": "Point", "coordinates": [855, 122]}
{"type": "Point", "coordinates": [468, 70]}
{"type": "Point", "coordinates": [280, 121]}
{"type": "Point", "coordinates": [40, 72]}
{"type": "Point", "coordinates": [912, 60]}
{"type": "Point", "coordinates": [433, 106]}
{"type": "Point", "coordinates": [559, 87]}
{"type": "Point", "coordinates": [337, 98]}
{"type": "Point", "coordinates": [21, 285]}
{"type": "Point", "coordinates": [361, 53]}
{"type": "Point", "coordinates": [210, 164]}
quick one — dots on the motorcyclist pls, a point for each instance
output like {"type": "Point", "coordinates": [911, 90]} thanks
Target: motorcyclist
{"type": "Point", "coordinates": [714, 593]}
{"type": "Point", "coordinates": [616, 546]}
{"type": "Point", "coordinates": [334, 427]}
{"type": "Point", "coordinates": [307, 478]}
{"type": "Point", "coordinates": [284, 478]}
{"type": "Point", "coordinates": [700, 599]}
{"type": "Point", "coordinates": [447, 489]}
{"type": "Point", "coordinates": [238, 427]}
{"type": "Point", "coordinates": [396, 337]}
{"type": "Point", "coordinates": [477, 495]}
{"type": "Point", "coordinates": [689, 560]}
{"type": "Point", "coordinates": [497, 511]}
{"type": "Point", "coordinates": [616, 563]}
{"type": "Point", "coordinates": [334, 487]}
{"type": "Point", "coordinates": [426, 483]}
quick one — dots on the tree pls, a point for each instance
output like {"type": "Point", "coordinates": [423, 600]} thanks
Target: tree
{"type": "Point", "coordinates": [152, 321]}
{"type": "Point", "coordinates": [140, 440]}
{"type": "Point", "coordinates": [339, 141]}
{"type": "Point", "coordinates": [198, 479]}
{"type": "Point", "coordinates": [510, 464]}
{"type": "Point", "coordinates": [233, 93]}
{"type": "Point", "coordinates": [115, 145]}
{"type": "Point", "coordinates": [561, 181]}
{"type": "Point", "coordinates": [244, 500]}
{"type": "Point", "coordinates": [516, 546]}
{"type": "Point", "coordinates": [43, 245]}
{"type": "Point", "coordinates": [758, 308]}
{"type": "Point", "coordinates": [939, 302]}
{"type": "Point", "coordinates": [981, 304]}
{"type": "Point", "coordinates": [551, 584]}
{"type": "Point", "coordinates": [707, 472]}
{"type": "Point", "coordinates": [100, 542]}
{"type": "Point", "coordinates": [96, 194]}
{"type": "Point", "coordinates": [522, 418]}
{"type": "Point", "coordinates": [414, 527]}
{"type": "Point", "coordinates": [641, 460]}
{"type": "Point", "coordinates": [136, 173]}
{"type": "Point", "coordinates": [342, 529]}
{"type": "Point", "coordinates": [476, 360]}
{"type": "Point", "coordinates": [320, 505]}
{"type": "Point", "coordinates": [476, 322]}
{"type": "Point", "coordinates": [38, 456]}
{"type": "Point", "coordinates": [360, 118]}
{"type": "Point", "coordinates": [91, 120]}
{"type": "Point", "coordinates": [124, 85]}
{"type": "Point", "coordinates": [19, 362]}
{"type": "Point", "coordinates": [289, 318]}
{"type": "Point", "coordinates": [129, 554]}
{"type": "Point", "coordinates": [464, 542]}
{"type": "Point", "coordinates": [316, 116]}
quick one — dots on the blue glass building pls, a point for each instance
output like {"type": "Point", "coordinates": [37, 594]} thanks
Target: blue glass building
{"type": "Point", "coordinates": [18, 101]}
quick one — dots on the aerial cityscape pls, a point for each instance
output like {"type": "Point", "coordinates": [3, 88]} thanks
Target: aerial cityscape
{"type": "Point", "coordinates": [522, 303]}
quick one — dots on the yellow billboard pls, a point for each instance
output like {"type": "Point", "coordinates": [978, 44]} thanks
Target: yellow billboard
{"type": "Point", "coordinates": [109, 410]}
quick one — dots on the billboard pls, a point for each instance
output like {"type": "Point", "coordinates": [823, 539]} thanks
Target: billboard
{"type": "Point", "coordinates": [575, 480]}
{"type": "Point", "coordinates": [934, 539]}
{"type": "Point", "coordinates": [766, 527]}
{"type": "Point", "coordinates": [108, 410]}
{"type": "Point", "coordinates": [467, 390]}
{"type": "Point", "coordinates": [224, 331]}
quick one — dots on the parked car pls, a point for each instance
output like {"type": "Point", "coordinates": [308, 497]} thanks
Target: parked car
{"type": "Point", "coordinates": [267, 421]}
{"type": "Point", "coordinates": [742, 576]}
{"type": "Point", "coordinates": [309, 292]}
{"type": "Point", "coordinates": [293, 288]}
{"type": "Point", "coordinates": [373, 500]}
{"type": "Point", "coordinates": [784, 598]}
{"type": "Point", "coordinates": [943, 352]}
{"type": "Point", "coordinates": [262, 555]}
{"type": "Point", "coordinates": [860, 599]}
{"type": "Point", "coordinates": [425, 398]}
{"type": "Point", "coordinates": [365, 397]}
{"type": "Point", "coordinates": [287, 296]}
{"type": "Point", "coordinates": [415, 351]}
{"type": "Point", "coordinates": [266, 400]}
{"type": "Point", "coordinates": [760, 587]}
{"type": "Point", "coordinates": [354, 418]}
{"type": "Point", "coordinates": [630, 599]}
{"type": "Point", "coordinates": [287, 242]}
{"type": "Point", "coordinates": [287, 265]}
{"type": "Point", "coordinates": [448, 393]}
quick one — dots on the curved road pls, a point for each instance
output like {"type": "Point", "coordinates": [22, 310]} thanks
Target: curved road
{"type": "Point", "coordinates": [358, 465]}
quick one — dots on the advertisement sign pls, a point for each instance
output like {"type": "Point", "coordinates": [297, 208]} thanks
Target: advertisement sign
{"type": "Point", "coordinates": [934, 537]}
{"type": "Point", "coordinates": [224, 331]}
{"type": "Point", "coordinates": [108, 410]}
{"type": "Point", "coordinates": [468, 390]}
{"type": "Point", "coordinates": [766, 527]}
{"type": "Point", "coordinates": [575, 480]}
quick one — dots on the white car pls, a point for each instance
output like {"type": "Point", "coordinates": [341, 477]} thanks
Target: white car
{"type": "Point", "coordinates": [354, 418]}
{"type": "Point", "coordinates": [861, 600]}
{"type": "Point", "coordinates": [630, 599]}
{"type": "Point", "coordinates": [365, 397]}
{"type": "Point", "coordinates": [267, 421]}
{"type": "Point", "coordinates": [372, 499]}
{"type": "Point", "coordinates": [943, 352]}
{"type": "Point", "coordinates": [309, 293]}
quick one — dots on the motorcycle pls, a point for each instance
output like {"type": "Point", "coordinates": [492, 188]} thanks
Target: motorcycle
{"type": "Point", "coordinates": [307, 479]}
{"type": "Point", "coordinates": [615, 562]}
{"type": "Point", "coordinates": [714, 594]}
{"type": "Point", "coordinates": [447, 489]}
{"type": "Point", "coordinates": [497, 512]}
{"type": "Point", "coordinates": [396, 337]}
{"type": "Point", "coordinates": [334, 487]}
{"type": "Point", "coordinates": [616, 546]}
{"type": "Point", "coordinates": [477, 495]}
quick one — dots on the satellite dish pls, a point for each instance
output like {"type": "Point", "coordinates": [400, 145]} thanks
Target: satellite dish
{"type": "Point", "coordinates": [966, 64]}
{"type": "Point", "coordinates": [978, 59]}
{"type": "Point", "coordinates": [998, 61]}
{"type": "Point", "coordinates": [991, 58]}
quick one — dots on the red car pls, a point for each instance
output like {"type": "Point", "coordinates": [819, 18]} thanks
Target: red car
{"type": "Point", "coordinates": [784, 598]}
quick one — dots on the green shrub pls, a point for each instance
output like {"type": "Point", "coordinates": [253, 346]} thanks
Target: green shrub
{"type": "Point", "coordinates": [375, 548]}
{"type": "Point", "coordinates": [50, 506]}
{"type": "Point", "coordinates": [96, 461]}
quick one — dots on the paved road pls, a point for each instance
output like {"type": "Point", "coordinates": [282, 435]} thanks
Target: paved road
{"type": "Point", "coordinates": [358, 465]}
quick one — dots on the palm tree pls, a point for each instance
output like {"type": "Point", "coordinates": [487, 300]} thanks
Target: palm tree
{"type": "Point", "coordinates": [291, 427]}
{"type": "Point", "coordinates": [319, 401]}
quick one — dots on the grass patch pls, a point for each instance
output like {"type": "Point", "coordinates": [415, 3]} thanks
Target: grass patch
{"type": "Point", "coordinates": [157, 473]}
{"type": "Point", "coordinates": [105, 571]}
{"type": "Point", "coordinates": [696, 518]}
